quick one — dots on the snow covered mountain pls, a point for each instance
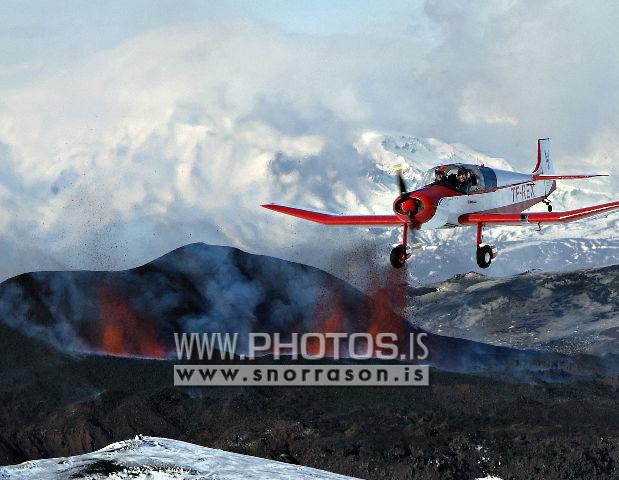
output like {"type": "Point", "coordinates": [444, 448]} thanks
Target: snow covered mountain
{"type": "Point", "coordinates": [161, 459]}
{"type": "Point", "coordinates": [153, 458]}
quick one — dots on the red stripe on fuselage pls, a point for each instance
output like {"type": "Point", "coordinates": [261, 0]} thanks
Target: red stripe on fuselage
{"type": "Point", "coordinates": [514, 207]}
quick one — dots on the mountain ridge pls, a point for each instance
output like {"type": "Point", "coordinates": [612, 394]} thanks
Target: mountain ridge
{"type": "Point", "coordinates": [215, 289]}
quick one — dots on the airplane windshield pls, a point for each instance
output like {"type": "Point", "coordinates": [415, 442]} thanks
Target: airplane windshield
{"type": "Point", "coordinates": [463, 178]}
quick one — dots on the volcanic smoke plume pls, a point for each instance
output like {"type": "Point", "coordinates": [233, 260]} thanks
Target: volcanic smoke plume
{"type": "Point", "coordinates": [196, 288]}
{"type": "Point", "coordinates": [200, 288]}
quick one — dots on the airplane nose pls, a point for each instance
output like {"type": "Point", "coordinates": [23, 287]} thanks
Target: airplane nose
{"type": "Point", "coordinates": [406, 205]}
{"type": "Point", "coordinates": [417, 208]}
{"type": "Point", "coordinates": [426, 209]}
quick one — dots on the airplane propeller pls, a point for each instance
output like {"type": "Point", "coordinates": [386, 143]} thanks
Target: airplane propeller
{"type": "Point", "coordinates": [401, 183]}
{"type": "Point", "coordinates": [404, 193]}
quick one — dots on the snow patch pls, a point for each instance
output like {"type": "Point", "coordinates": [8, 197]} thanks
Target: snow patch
{"type": "Point", "coordinates": [161, 459]}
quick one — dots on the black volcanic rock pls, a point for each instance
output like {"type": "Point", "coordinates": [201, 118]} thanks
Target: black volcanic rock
{"type": "Point", "coordinates": [567, 312]}
{"type": "Point", "coordinates": [57, 400]}
{"type": "Point", "coordinates": [462, 426]}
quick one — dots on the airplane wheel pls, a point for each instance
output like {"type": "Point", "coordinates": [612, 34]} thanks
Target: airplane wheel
{"type": "Point", "coordinates": [398, 256]}
{"type": "Point", "coordinates": [484, 256]}
{"type": "Point", "coordinates": [550, 208]}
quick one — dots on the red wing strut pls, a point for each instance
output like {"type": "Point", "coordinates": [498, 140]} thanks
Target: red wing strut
{"type": "Point", "coordinates": [332, 219]}
{"type": "Point", "coordinates": [538, 217]}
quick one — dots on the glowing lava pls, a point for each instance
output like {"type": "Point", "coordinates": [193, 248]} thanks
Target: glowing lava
{"type": "Point", "coordinates": [383, 312]}
{"type": "Point", "coordinates": [122, 332]}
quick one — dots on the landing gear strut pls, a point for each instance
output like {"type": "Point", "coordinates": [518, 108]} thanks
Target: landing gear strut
{"type": "Point", "coordinates": [401, 252]}
{"type": "Point", "coordinates": [485, 253]}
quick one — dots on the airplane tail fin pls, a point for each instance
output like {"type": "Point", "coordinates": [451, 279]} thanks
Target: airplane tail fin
{"type": "Point", "coordinates": [544, 165]}
{"type": "Point", "coordinates": [545, 170]}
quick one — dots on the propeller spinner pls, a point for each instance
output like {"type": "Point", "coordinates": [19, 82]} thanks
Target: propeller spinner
{"type": "Point", "coordinates": [404, 204]}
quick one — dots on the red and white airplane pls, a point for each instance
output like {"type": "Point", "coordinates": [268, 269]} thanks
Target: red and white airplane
{"type": "Point", "coordinates": [458, 195]}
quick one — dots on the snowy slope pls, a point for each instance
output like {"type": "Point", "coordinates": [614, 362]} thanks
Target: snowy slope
{"type": "Point", "coordinates": [161, 459]}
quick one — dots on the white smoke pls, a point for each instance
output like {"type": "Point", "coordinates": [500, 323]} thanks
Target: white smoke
{"type": "Point", "coordinates": [180, 134]}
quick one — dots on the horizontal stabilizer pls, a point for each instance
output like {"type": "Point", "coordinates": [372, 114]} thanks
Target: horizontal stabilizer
{"type": "Point", "coordinates": [539, 217]}
{"type": "Point", "coordinates": [565, 177]}
{"type": "Point", "coordinates": [333, 219]}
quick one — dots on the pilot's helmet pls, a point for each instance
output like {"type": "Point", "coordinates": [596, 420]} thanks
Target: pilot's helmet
{"type": "Point", "coordinates": [461, 171]}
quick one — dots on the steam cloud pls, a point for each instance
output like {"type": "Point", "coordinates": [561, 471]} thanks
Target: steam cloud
{"type": "Point", "coordinates": [196, 288]}
{"type": "Point", "coordinates": [179, 134]}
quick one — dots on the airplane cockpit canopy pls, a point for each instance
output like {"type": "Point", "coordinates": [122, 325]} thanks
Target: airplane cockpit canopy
{"type": "Point", "coordinates": [464, 178]}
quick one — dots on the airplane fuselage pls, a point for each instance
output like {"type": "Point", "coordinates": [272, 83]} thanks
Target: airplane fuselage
{"type": "Point", "coordinates": [438, 206]}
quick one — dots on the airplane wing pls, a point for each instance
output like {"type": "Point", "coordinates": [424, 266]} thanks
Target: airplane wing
{"type": "Point", "coordinates": [539, 217]}
{"type": "Point", "coordinates": [333, 219]}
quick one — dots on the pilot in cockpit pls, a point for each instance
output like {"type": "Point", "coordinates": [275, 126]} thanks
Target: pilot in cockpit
{"type": "Point", "coordinates": [439, 176]}
{"type": "Point", "coordinates": [460, 180]}
{"type": "Point", "coordinates": [463, 181]}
